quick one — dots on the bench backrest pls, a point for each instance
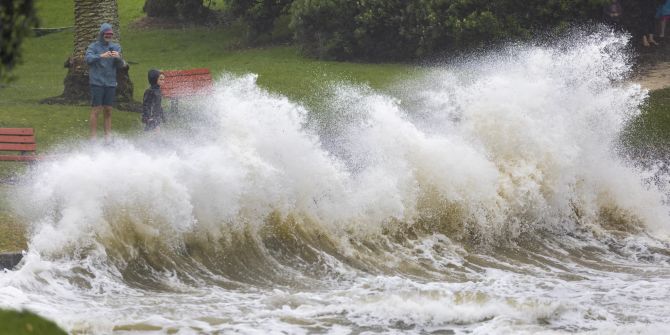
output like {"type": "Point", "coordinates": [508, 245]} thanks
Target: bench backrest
{"type": "Point", "coordinates": [17, 139]}
{"type": "Point", "coordinates": [181, 83]}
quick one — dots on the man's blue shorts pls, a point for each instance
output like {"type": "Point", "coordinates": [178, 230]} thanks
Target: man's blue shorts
{"type": "Point", "coordinates": [102, 95]}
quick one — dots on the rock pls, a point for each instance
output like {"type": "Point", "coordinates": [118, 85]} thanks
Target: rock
{"type": "Point", "coordinates": [10, 260]}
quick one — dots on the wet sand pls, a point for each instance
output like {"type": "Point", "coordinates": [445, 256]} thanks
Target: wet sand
{"type": "Point", "coordinates": [654, 77]}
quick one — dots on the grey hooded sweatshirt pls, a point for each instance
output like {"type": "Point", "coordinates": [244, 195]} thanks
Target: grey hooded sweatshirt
{"type": "Point", "coordinates": [152, 110]}
{"type": "Point", "coordinates": [102, 71]}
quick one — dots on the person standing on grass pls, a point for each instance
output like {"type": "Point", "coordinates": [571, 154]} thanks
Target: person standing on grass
{"type": "Point", "coordinates": [613, 12]}
{"type": "Point", "coordinates": [104, 58]}
{"type": "Point", "coordinates": [664, 15]}
{"type": "Point", "coordinates": [152, 110]}
{"type": "Point", "coordinates": [647, 21]}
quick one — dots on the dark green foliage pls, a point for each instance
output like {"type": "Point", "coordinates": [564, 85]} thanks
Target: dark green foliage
{"type": "Point", "coordinates": [324, 28]}
{"type": "Point", "coordinates": [160, 8]}
{"type": "Point", "coordinates": [259, 15]}
{"type": "Point", "coordinates": [190, 10]}
{"type": "Point", "coordinates": [24, 323]}
{"type": "Point", "coordinates": [17, 17]}
{"type": "Point", "coordinates": [405, 29]}
{"type": "Point", "coordinates": [397, 29]}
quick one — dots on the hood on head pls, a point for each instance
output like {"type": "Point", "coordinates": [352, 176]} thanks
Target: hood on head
{"type": "Point", "coordinates": [103, 28]}
{"type": "Point", "coordinates": [153, 77]}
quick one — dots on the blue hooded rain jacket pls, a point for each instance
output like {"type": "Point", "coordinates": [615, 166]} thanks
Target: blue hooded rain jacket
{"type": "Point", "coordinates": [102, 71]}
{"type": "Point", "coordinates": [663, 10]}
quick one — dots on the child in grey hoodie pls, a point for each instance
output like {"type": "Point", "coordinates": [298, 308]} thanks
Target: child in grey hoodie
{"type": "Point", "coordinates": [152, 110]}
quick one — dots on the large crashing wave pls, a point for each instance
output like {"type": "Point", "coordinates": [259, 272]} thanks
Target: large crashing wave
{"type": "Point", "coordinates": [483, 152]}
{"type": "Point", "coordinates": [482, 197]}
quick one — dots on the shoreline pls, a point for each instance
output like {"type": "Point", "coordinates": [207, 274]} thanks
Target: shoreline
{"type": "Point", "coordinates": [652, 66]}
{"type": "Point", "coordinates": [654, 76]}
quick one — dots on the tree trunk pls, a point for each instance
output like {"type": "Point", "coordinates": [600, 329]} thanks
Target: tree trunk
{"type": "Point", "coordinates": [88, 16]}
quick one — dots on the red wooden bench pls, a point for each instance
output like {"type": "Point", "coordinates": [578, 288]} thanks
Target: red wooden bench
{"type": "Point", "coordinates": [21, 140]}
{"type": "Point", "coordinates": [185, 83]}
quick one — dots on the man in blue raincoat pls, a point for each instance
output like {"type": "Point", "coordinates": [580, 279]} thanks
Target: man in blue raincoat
{"type": "Point", "coordinates": [104, 58]}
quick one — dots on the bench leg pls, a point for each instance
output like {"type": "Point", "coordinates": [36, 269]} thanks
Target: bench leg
{"type": "Point", "coordinates": [174, 105]}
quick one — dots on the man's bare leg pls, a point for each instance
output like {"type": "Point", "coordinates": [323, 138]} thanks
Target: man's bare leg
{"type": "Point", "coordinates": [93, 120]}
{"type": "Point", "coordinates": [663, 23]}
{"type": "Point", "coordinates": [107, 114]}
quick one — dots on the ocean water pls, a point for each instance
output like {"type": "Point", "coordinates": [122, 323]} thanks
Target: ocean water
{"type": "Point", "coordinates": [486, 196]}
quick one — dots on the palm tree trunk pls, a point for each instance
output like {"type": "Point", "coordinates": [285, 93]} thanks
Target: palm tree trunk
{"type": "Point", "coordinates": [88, 16]}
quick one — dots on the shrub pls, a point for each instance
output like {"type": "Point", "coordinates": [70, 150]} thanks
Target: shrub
{"type": "Point", "coordinates": [397, 29]}
{"type": "Point", "coordinates": [259, 15]}
{"type": "Point", "coordinates": [324, 28]}
{"type": "Point", "coordinates": [190, 10]}
{"type": "Point", "coordinates": [17, 17]}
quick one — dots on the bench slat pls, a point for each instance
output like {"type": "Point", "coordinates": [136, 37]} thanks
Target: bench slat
{"type": "Point", "coordinates": [185, 92]}
{"type": "Point", "coordinates": [205, 79]}
{"type": "Point", "coordinates": [19, 158]}
{"type": "Point", "coordinates": [174, 73]}
{"type": "Point", "coordinates": [183, 83]}
{"type": "Point", "coordinates": [17, 139]}
{"type": "Point", "coordinates": [17, 131]}
{"type": "Point", "coordinates": [185, 87]}
{"type": "Point", "coordinates": [184, 75]}
{"type": "Point", "coordinates": [170, 73]}
{"type": "Point", "coordinates": [17, 147]}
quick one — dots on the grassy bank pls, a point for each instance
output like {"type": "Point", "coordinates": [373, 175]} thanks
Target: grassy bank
{"type": "Point", "coordinates": [652, 129]}
{"type": "Point", "coordinates": [25, 323]}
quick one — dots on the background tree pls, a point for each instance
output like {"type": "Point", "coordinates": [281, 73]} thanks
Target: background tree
{"type": "Point", "coordinates": [88, 16]}
{"type": "Point", "coordinates": [259, 15]}
{"type": "Point", "coordinates": [17, 17]}
{"type": "Point", "coordinates": [185, 10]}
